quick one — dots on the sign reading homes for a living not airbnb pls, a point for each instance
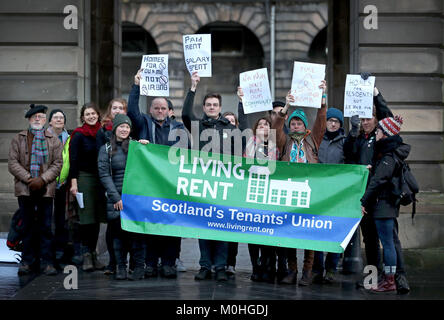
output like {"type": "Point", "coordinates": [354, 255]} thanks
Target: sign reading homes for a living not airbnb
{"type": "Point", "coordinates": [187, 193]}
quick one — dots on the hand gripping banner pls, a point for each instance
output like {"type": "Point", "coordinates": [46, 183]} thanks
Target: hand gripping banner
{"type": "Point", "coordinates": [192, 194]}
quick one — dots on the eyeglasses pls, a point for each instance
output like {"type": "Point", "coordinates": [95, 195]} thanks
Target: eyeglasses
{"type": "Point", "coordinates": [333, 121]}
{"type": "Point", "coordinates": [38, 117]}
{"type": "Point", "coordinates": [58, 117]}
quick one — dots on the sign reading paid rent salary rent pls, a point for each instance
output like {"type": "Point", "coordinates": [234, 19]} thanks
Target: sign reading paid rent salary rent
{"type": "Point", "coordinates": [154, 77]}
{"type": "Point", "coordinates": [358, 96]}
{"type": "Point", "coordinates": [238, 199]}
{"type": "Point", "coordinates": [197, 53]}
{"type": "Point", "coordinates": [305, 84]}
{"type": "Point", "coordinates": [256, 89]}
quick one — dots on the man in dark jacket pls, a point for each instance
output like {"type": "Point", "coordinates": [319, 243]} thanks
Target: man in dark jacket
{"type": "Point", "coordinates": [35, 161]}
{"type": "Point", "coordinates": [215, 126]}
{"type": "Point", "coordinates": [380, 205]}
{"type": "Point", "coordinates": [330, 151]}
{"type": "Point", "coordinates": [157, 127]}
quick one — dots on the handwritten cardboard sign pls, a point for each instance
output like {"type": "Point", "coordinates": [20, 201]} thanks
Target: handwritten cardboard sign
{"type": "Point", "coordinates": [305, 84]}
{"type": "Point", "coordinates": [256, 88]}
{"type": "Point", "coordinates": [197, 53]}
{"type": "Point", "coordinates": [154, 80]}
{"type": "Point", "coordinates": [358, 96]}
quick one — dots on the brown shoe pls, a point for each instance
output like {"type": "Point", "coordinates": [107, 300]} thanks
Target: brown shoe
{"type": "Point", "coordinates": [306, 278]}
{"type": "Point", "coordinates": [50, 270]}
{"type": "Point", "coordinates": [387, 285]}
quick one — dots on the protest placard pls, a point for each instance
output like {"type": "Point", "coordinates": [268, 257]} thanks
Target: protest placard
{"type": "Point", "coordinates": [358, 96]}
{"type": "Point", "coordinates": [197, 53]}
{"type": "Point", "coordinates": [154, 78]}
{"type": "Point", "coordinates": [256, 88]}
{"type": "Point", "coordinates": [305, 84]}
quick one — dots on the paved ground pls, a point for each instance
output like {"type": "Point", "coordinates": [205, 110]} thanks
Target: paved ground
{"type": "Point", "coordinates": [424, 274]}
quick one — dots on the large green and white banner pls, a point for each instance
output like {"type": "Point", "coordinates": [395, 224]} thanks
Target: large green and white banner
{"type": "Point", "coordinates": [187, 193]}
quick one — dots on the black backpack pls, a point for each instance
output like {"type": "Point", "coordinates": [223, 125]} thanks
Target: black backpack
{"type": "Point", "coordinates": [15, 234]}
{"type": "Point", "coordinates": [405, 186]}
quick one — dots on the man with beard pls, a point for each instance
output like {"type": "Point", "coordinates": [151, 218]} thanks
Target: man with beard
{"type": "Point", "coordinates": [35, 161]}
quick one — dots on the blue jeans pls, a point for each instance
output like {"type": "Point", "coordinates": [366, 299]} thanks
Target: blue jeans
{"type": "Point", "coordinates": [213, 252]}
{"type": "Point", "coordinates": [331, 262]}
{"type": "Point", "coordinates": [38, 237]}
{"type": "Point", "coordinates": [387, 233]}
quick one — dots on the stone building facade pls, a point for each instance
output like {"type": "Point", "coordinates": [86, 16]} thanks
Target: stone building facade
{"type": "Point", "coordinates": [41, 61]}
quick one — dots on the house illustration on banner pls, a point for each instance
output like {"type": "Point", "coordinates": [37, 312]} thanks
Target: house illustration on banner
{"type": "Point", "coordinates": [276, 192]}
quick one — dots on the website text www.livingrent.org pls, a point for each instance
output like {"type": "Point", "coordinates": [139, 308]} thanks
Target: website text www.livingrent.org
{"type": "Point", "coordinates": [230, 226]}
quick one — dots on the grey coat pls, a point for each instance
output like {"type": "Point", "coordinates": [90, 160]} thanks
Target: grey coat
{"type": "Point", "coordinates": [111, 175]}
{"type": "Point", "coordinates": [332, 151]}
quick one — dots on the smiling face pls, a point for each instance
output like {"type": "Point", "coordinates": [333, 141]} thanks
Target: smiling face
{"type": "Point", "coordinates": [368, 124]}
{"type": "Point", "coordinates": [116, 108]}
{"type": "Point", "coordinates": [57, 121]}
{"type": "Point", "coordinates": [123, 131]}
{"type": "Point", "coordinates": [37, 121]}
{"type": "Point", "coordinates": [90, 116]}
{"type": "Point", "coordinates": [212, 107]}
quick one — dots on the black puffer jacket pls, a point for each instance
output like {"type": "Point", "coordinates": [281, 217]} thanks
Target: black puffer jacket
{"type": "Point", "coordinates": [378, 199]}
{"type": "Point", "coordinates": [111, 175]}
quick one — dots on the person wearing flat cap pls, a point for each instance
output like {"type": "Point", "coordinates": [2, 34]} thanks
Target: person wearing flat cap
{"type": "Point", "coordinates": [35, 161]}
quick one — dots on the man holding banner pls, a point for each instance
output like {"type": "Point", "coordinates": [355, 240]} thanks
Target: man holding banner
{"type": "Point", "coordinates": [212, 252]}
{"type": "Point", "coordinates": [157, 127]}
{"type": "Point", "coordinates": [300, 146]}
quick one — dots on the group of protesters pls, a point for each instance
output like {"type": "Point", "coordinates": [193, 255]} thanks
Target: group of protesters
{"type": "Point", "coordinates": [53, 170]}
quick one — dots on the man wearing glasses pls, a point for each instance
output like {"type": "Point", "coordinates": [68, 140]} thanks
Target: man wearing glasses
{"type": "Point", "coordinates": [35, 161]}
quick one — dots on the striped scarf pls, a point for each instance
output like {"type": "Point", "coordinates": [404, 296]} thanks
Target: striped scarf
{"type": "Point", "coordinates": [39, 151]}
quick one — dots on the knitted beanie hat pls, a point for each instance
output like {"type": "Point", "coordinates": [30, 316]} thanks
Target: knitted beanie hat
{"type": "Point", "coordinates": [391, 126]}
{"type": "Point", "coordinates": [335, 113]}
{"type": "Point", "coordinates": [299, 113]}
{"type": "Point", "coordinates": [120, 119]}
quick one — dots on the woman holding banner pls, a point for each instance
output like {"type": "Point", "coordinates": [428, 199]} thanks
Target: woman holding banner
{"type": "Point", "coordinates": [111, 165]}
{"type": "Point", "coordinates": [262, 146]}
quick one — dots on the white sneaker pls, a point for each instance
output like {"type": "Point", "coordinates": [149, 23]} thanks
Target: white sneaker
{"type": "Point", "coordinates": [179, 266]}
{"type": "Point", "coordinates": [230, 270]}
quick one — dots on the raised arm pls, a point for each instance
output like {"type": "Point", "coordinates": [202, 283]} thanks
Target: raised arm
{"type": "Point", "coordinates": [187, 111]}
{"type": "Point", "coordinates": [242, 117]}
{"type": "Point", "coordinates": [320, 124]}
{"type": "Point", "coordinates": [133, 103]}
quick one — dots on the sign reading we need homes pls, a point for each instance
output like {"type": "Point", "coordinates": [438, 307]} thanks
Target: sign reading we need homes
{"type": "Point", "coordinates": [305, 84]}
{"type": "Point", "coordinates": [256, 89]}
{"type": "Point", "coordinates": [240, 199]}
{"type": "Point", "coordinates": [154, 78]}
{"type": "Point", "coordinates": [197, 53]}
{"type": "Point", "coordinates": [358, 96]}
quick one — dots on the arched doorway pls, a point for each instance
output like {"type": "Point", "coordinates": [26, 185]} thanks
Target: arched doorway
{"type": "Point", "coordinates": [136, 42]}
{"type": "Point", "coordinates": [235, 49]}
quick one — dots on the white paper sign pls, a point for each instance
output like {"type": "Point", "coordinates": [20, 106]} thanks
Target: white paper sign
{"type": "Point", "coordinates": [256, 89]}
{"type": "Point", "coordinates": [154, 80]}
{"type": "Point", "coordinates": [197, 53]}
{"type": "Point", "coordinates": [358, 96]}
{"type": "Point", "coordinates": [305, 84]}
{"type": "Point", "coordinates": [79, 197]}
